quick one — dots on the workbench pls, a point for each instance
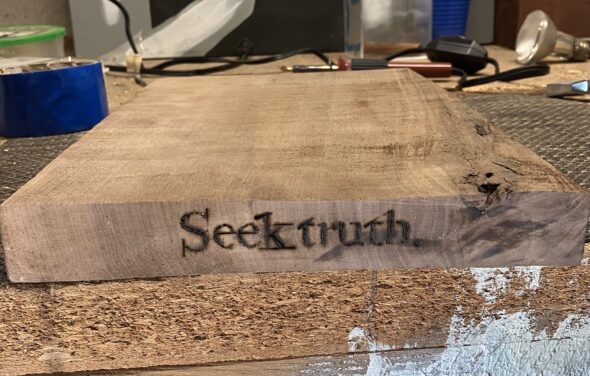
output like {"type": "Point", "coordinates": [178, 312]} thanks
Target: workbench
{"type": "Point", "coordinates": [508, 321]}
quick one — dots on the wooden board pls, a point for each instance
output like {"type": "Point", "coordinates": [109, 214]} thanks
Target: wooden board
{"type": "Point", "coordinates": [388, 156]}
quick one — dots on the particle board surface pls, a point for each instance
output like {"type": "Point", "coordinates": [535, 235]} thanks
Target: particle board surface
{"type": "Point", "coordinates": [486, 319]}
{"type": "Point", "coordinates": [393, 172]}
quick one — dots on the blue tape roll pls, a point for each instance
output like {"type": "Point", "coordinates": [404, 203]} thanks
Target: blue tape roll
{"type": "Point", "coordinates": [50, 102]}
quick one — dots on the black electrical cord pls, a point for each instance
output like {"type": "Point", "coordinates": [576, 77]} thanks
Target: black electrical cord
{"type": "Point", "coordinates": [494, 62]}
{"type": "Point", "coordinates": [263, 60]}
{"type": "Point", "coordinates": [462, 79]}
{"type": "Point", "coordinates": [176, 73]}
{"type": "Point", "coordinates": [226, 64]}
{"type": "Point", "coordinates": [510, 75]}
{"type": "Point", "coordinates": [127, 21]}
{"type": "Point", "coordinates": [506, 76]}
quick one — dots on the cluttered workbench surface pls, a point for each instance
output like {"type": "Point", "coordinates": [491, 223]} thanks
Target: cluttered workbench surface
{"type": "Point", "coordinates": [406, 321]}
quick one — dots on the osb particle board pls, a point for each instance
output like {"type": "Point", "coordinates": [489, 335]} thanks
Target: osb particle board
{"type": "Point", "coordinates": [209, 319]}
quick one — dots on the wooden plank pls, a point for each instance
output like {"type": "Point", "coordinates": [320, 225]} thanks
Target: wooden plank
{"type": "Point", "coordinates": [422, 180]}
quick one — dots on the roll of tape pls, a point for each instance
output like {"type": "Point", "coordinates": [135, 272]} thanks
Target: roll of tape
{"type": "Point", "coordinates": [54, 101]}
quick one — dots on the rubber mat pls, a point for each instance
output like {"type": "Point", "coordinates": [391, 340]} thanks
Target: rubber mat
{"type": "Point", "coordinates": [556, 129]}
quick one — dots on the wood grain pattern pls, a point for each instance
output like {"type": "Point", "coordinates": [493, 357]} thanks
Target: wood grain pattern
{"type": "Point", "coordinates": [124, 201]}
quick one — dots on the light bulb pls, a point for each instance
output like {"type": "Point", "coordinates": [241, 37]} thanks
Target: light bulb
{"type": "Point", "coordinates": [538, 37]}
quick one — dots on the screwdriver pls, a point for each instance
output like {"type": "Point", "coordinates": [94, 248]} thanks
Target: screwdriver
{"type": "Point", "coordinates": [426, 69]}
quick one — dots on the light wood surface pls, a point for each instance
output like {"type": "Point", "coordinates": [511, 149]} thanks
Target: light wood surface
{"type": "Point", "coordinates": [180, 186]}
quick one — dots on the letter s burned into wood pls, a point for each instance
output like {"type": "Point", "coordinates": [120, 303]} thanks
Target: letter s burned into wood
{"type": "Point", "coordinates": [195, 230]}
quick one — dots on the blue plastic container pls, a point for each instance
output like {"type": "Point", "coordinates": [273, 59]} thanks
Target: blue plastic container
{"type": "Point", "coordinates": [50, 102]}
{"type": "Point", "coordinates": [449, 17]}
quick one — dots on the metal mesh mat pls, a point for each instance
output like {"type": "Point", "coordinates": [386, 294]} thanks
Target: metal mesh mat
{"type": "Point", "coordinates": [557, 130]}
{"type": "Point", "coordinates": [22, 158]}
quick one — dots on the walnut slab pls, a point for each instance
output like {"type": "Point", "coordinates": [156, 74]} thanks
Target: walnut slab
{"type": "Point", "coordinates": [285, 172]}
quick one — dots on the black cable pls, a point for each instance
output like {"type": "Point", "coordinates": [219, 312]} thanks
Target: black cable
{"type": "Point", "coordinates": [494, 62]}
{"type": "Point", "coordinates": [245, 49]}
{"type": "Point", "coordinates": [208, 59]}
{"type": "Point", "coordinates": [462, 80]}
{"type": "Point", "coordinates": [511, 75]}
{"type": "Point", "coordinates": [176, 73]}
{"type": "Point", "coordinates": [143, 69]}
{"type": "Point", "coordinates": [226, 63]}
{"type": "Point", "coordinates": [127, 21]}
